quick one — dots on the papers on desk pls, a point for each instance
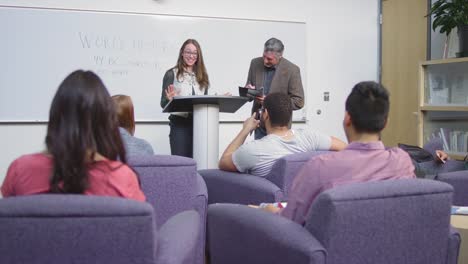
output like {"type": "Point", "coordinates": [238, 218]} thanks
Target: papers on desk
{"type": "Point", "coordinates": [461, 210]}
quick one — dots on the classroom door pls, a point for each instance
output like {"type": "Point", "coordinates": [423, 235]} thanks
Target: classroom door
{"type": "Point", "coordinates": [404, 45]}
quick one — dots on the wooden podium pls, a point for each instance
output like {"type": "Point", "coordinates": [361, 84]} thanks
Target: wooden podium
{"type": "Point", "coordinates": [205, 110]}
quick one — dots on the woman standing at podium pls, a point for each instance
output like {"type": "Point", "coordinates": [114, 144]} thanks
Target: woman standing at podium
{"type": "Point", "coordinates": [188, 77]}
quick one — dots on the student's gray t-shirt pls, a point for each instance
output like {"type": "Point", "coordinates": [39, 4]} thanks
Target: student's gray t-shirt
{"type": "Point", "coordinates": [258, 156]}
{"type": "Point", "coordinates": [135, 146]}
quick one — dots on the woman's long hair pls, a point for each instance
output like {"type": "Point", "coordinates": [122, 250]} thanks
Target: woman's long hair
{"type": "Point", "coordinates": [82, 122]}
{"type": "Point", "coordinates": [198, 68]}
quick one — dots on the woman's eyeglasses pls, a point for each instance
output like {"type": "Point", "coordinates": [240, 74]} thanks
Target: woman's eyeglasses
{"type": "Point", "coordinates": [190, 53]}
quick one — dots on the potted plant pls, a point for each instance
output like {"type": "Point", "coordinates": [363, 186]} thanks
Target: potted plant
{"type": "Point", "coordinates": [450, 14]}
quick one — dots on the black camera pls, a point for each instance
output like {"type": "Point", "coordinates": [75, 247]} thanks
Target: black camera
{"type": "Point", "coordinates": [250, 93]}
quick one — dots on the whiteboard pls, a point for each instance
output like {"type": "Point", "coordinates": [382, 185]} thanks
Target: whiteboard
{"type": "Point", "coordinates": [130, 52]}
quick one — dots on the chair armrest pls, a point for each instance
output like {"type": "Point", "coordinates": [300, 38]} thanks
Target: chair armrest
{"type": "Point", "coordinates": [453, 247]}
{"type": "Point", "coordinates": [177, 238]}
{"type": "Point", "coordinates": [234, 187]}
{"type": "Point", "coordinates": [202, 191]}
{"type": "Point", "coordinates": [200, 204]}
{"type": "Point", "coordinates": [200, 201]}
{"type": "Point", "coordinates": [240, 234]}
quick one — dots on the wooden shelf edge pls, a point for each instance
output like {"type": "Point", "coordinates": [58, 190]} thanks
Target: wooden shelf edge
{"type": "Point", "coordinates": [444, 61]}
{"type": "Point", "coordinates": [454, 108]}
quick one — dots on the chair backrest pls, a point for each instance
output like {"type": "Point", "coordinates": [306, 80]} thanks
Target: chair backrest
{"type": "Point", "coordinates": [65, 229]}
{"type": "Point", "coordinates": [459, 182]}
{"type": "Point", "coordinates": [172, 185]}
{"type": "Point", "coordinates": [286, 168]}
{"type": "Point", "coordinates": [169, 183]}
{"type": "Point", "coordinates": [392, 221]}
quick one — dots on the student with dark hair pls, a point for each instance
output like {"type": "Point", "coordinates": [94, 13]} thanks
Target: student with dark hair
{"type": "Point", "coordinates": [364, 159]}
{"type": "Point", "coordinates": [257, 157]}
{"type": "Point", "coordinates": [125, 114]}
{"type": "Point", "coordinates": [83, 146]}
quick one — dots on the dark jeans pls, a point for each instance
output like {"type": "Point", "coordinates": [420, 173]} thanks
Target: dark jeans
{"type": "Point", "coordinates": [181, 135]}
{"type": "Point", "coordinates": [430, 169]}
{"type": "Point", "coordinates": [425, 171]}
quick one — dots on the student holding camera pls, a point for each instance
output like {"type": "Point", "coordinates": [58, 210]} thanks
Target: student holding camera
{"type": "Point", "coordinates": [257, 157]}
{"type": "Point", "coordinates": [273, 73]}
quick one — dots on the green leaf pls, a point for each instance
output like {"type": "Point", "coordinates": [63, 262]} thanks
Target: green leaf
{"type": "Point", "coordinates": [449, 14]}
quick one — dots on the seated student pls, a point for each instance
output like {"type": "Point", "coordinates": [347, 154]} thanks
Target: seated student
{"type": "Point", "coordinates": [257, 157]}
{"type": "Point", "coordinates": [364, 159]}
{"type": "Point", "coordinates": [83, 145]}
{"type": "Point", "coordinates": [126, 117]}
{"type": "Point", "coordinates": [423, 170]}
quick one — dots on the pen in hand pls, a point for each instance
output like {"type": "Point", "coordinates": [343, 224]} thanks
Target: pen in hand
{"type": "Point", "coordinates": [441, 156]}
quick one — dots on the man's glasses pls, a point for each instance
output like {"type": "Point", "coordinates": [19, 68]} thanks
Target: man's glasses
{"type": "Point", "coordinates": [190, 53]}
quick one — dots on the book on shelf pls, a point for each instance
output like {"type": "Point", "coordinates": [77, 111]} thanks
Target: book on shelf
{"type": "Point", "coordinates": [442, 134]}
{"type": "Point", "coordinates": [465, 145]}
{"type": "Point", "coordinates": [461, 141]}
{"type": "Point", "coordinates": [453, 140]}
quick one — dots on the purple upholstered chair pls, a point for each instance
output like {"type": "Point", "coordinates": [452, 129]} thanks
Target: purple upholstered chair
{"type": "Point", "coordinates": [459, 182]}
{"type": "Point", "coordinates": [72, 229]}
{"type": "Point", "coordinates": [385, 222]}
{"type": "Point", "coordinates": [172, 185]}
{"type": "Point", "coordinates": [240, 188]}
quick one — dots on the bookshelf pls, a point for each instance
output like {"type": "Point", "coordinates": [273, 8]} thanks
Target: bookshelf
{"type": "Point", "coordinates": [443, 104]}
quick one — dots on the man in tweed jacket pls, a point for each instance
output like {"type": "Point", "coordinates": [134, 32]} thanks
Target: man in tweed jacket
{"type": "Point", "coordinates": [273, 73]}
